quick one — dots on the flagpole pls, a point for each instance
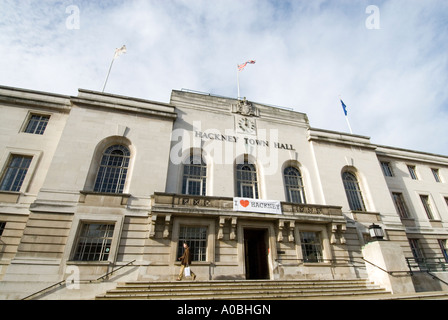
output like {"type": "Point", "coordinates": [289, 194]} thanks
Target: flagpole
{"type": "Point", "coordinates": [110, 68]}
{"type": "Point", "coordinates": [348, 123]}
{"type": "Point", "coordinates": [238, 80]}
{"type": "Point", "coordinates": [118, 52]}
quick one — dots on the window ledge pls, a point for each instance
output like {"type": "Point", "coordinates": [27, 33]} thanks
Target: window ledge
{"type": "Point", "coordinates": [102, 198]}
{"type": "Point", "coordinates": [86, 192]}
{"type": "Point", "coordinates": [89, 263]}
{"type": "Point", "coordinates": [196, 263]}
{"type": "Point", "coordinates": [10, 196]}
{"type": "Point", "coordinates": [366, 216]}
{"type": "Point", "coordinates": [316, 264]}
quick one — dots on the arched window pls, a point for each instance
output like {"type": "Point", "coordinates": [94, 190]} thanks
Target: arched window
{"type": "Point", "coordinates": [113, 169]}
{"type": "Point", "coordinates": [294, 185]}
{"type": "Point", "coordinates": [246, 180]}
{"type": "Point", "coordinates": [353, 191]}
{"type": "Point", "coordinates": [194, 176]}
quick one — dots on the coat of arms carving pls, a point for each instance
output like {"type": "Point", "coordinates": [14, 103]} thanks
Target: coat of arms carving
{"type": "Point", "coordinates": [245, 108]}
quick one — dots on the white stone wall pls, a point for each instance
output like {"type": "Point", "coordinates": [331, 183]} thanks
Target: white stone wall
{"type": "Point", "coordinates": [44, 218]}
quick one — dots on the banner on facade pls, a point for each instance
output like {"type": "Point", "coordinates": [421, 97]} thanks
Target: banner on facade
{"type": "Point", "coordinates": [256, 205]}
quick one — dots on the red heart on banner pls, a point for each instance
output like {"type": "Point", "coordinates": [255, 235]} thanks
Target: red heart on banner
{"type": "Point", "coordinates": [244, 203]}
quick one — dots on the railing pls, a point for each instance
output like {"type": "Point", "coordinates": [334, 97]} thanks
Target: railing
{"type": "Point", "coordinates": [80, 281]}
{"type": "Point", "coordinates": [330, 262]}
{"type": "Point", "coordinates": [392, 273]}
{"type": "Point", "coordinates": [113, 271]}
{"type": "Point", "coordinates": [361, 264]}
{"type": "Point", "coordinates": [427, 264]}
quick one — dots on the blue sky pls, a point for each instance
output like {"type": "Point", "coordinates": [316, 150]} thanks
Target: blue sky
{"type": "Point", "coordinates": [392, 79]}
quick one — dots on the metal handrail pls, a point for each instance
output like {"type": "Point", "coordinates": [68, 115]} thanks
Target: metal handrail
{"type": "Point", "coordinates": [109, 273]}
{"type": "Point", "coordinates": [427, 264]}
{"type": "Point", "coordinates": [332, 261]}
{"type": "Point", "coordinates": [392, 273]}
{"type": "Point", "coordinates": [436, 277]}
{"type": "Point", "coordinates": [62, 281]}
{"type": "Point", "coordinates": [352, 261]}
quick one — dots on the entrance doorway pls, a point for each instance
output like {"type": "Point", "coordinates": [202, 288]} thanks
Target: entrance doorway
{"type": "Point", "coordinates": [256, 253]}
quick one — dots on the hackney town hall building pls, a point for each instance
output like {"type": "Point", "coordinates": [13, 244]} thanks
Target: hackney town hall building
{"type": "Point", "coordinates": [96, 182]}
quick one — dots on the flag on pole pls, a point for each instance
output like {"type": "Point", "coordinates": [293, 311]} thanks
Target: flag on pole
{"type": "Point", "coordinates": [119, 51]}
{"type": "Point", "coordinates": [242, 66]}
{"type": "Point", "coordinates": [344, 107]}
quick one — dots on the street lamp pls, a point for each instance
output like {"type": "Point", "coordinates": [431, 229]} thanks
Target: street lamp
{"type": "Point", "coordinates": [376, 232]}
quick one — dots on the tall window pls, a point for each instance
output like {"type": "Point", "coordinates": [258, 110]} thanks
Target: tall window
{"type": "Point", "coordinates": [427, 205]}
{"type": "Point", "coordinates": [412, 172]}
{"type": "Point", "coordinates": [15, 173]}
{"type": "Point", "coordinates": [194, 179]}
{"type": "Point", "coordinates": [311, 246]}
{"type": "Point", "coordinates": [294, 185]}
{"type": "Point", "coordinates": [400, 205]}
{"type": "Point", "coordinates": [37, 124]}
{"type": "Point", "coordinates": [94, 242]}
{"type": "Point", "coordinates": [196, 238]}
{"type": "Point", "coordinates": [353, 192]}
{"type": "Point", "coordinates": [435, 173]}
{"type": "Point", "coordinates": [246, 180]}
{"type": "Point", "coordinates": [417, 252]}
{"type": "Point", "coordinates": [113, 170]}
{"type": "Point", "coordinates": [387, 170]}
{"type": "Point", "coordinates": [443, 247]}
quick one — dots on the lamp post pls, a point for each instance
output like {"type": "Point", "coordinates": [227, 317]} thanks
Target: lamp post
{"type": "Point", "coordinates": [376, 232]}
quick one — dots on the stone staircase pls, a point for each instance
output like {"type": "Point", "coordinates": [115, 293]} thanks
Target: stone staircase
{"type": "Point", "coordinates": [246, 290]}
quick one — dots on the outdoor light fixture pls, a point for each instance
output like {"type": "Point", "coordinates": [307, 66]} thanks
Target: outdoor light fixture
{"type": "Point", "coordinates": [376, 232]}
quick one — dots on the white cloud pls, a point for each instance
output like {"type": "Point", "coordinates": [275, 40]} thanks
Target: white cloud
{"type": "Point", "coordinates": [393, 80]}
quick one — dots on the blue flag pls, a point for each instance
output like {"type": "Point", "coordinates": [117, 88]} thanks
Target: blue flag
{"type": "Point", "coordinates": [344, 107]}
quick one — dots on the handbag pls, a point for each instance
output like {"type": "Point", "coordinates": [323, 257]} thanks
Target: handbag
{"type": "Point", "coordinates": [187, 271]}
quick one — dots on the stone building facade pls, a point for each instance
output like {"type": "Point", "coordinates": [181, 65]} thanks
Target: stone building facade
{"type": "Point", "coordinates": [93, 182]}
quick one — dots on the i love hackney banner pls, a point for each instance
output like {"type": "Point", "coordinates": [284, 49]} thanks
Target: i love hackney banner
{"type": "Point", "coordinates": [256, 205]}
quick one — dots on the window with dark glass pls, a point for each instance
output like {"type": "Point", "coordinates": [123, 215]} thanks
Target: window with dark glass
{"type": "Point", "coordinates": [443, 247]}
{"type": "Point", "coordinates": [417, 252]}
{"type": "Point", "coordinates": [94, 242]}
{"type": "Point", "coordinates": [194, 177]}
{"type": "Point", "coordinates": [387, 170]}
{"type": "Point", "coordinates": [196, 238]}
{"type": "Point", "coordinates": [15, 173]}
{"type": "Point", "coordinates": [412, 172]}
{"type": "Point", "coordinates": [294, 185]}
{"type": "Point", "coordinates": [246, 180]}
{"type": "Point", "coordinates": [400, 205]}
{"type": "Point", "coordinates": [353, 192]}
{"type": "Point", "coordinates": [113, 169]}
{"type": "Point", "coordinates": [427, 206]}
{"type": "Point", "coordinates": [311, 246]}
{"type": "Point", "coordinates": [435, 173]}
{"type": "Point", "coordinates": [37, 124]}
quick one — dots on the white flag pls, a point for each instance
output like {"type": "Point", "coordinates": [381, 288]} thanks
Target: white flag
{"type": "Point", "coordinates": [119, 52]}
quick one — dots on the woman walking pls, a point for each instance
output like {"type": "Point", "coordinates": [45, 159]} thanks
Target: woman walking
{"type": "Point", "coordinates": [185, 262]}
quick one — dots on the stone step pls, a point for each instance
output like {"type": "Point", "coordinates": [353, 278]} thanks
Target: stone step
{"type": "Point", "coordinates": [232, 289]}
{"type": "Point", "coordinates": [242, 290]}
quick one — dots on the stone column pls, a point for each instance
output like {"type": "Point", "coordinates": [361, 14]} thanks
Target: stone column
{"type": "Point", "coordinates": [388, 256]}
